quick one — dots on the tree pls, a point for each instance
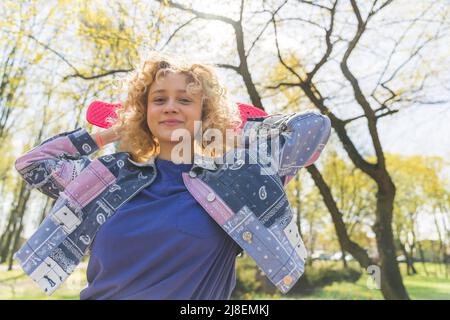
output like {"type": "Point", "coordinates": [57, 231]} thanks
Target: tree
{"type": "Point", "coordinates": [421, 192]}
{"type": "Point", "coordinates": [47, 82]}
{"type": "Point", "coordinates": [389, 94]}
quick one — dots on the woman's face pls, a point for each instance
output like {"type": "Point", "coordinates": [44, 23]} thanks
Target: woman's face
{"type": "Point", "coordinates": [169, 100]}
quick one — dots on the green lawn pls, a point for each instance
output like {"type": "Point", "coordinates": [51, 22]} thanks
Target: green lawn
{"type": "Point", "coordinates": [15, 285]}
{"type": "Point", "coordinates": [419, 286]}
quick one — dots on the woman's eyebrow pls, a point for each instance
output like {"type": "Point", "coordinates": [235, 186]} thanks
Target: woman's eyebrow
{"type": "Point", "coordinates": [164, 90]}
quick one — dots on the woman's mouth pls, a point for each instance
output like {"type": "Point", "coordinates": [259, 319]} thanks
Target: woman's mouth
{"type": "Point", "coordinates": [171, 123]}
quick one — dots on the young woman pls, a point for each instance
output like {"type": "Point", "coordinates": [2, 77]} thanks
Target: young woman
{"type": "Point", "coordinates": [162, 244]}
{"type": "Point", "coordinates": [156, 226]}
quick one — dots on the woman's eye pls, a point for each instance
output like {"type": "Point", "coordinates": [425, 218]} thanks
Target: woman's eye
{"type": "Point", "coordinates": [185, 101]}
{"type": "Point", "coordinates": [159, 100]}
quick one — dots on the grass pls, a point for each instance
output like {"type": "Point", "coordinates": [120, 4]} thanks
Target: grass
{"type": "Point", "coordinates": [436, 286]}
{"type": "Point", "coordinates": [16, 285]}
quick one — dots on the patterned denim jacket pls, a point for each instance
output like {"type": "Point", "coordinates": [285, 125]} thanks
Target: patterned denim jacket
{"type": "Point", "coordinates": [250, 206]}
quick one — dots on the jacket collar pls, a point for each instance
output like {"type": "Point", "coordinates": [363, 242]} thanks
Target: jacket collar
{"type": "Point", "coordinates": [200, 161]}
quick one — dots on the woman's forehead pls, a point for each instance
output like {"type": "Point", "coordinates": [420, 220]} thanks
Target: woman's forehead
{"type": "Point", "coordinates": [171, 81]}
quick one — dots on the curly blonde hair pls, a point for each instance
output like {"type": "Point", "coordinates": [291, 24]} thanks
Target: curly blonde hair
{"type": "Point", "coordinates": [131, 122]}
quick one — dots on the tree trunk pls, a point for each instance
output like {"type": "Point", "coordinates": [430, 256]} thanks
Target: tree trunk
{"type": "Point", "coordinates": [422, 259]}
{"type": "Point", "coordinates": [413, 249]}
{"type": "Point", "coordinates": [49, 203]}
{"type": "Point", "coordinates": [442, 248]}
{"type": "Point", "coordinates": [6, 243]}
{"type": "Point", "coordinates": [4, 239]}
{"type": "Point", "coordinates": [344, 262]}
{"type": "Point", "coordinates": [411, 258]}
{"type": "Point", "coordinates": [20, 212]}
{"type": "Point", "coordinates": [391, 279]}
{"type": "Point", "coordinates": [12, 238]}
{"type": "Point", "coordinates": [410, 270]}
{"type": "Point", "coordinates": [298, 204]}
{"type": "Point", "coordinates": [15, 244]}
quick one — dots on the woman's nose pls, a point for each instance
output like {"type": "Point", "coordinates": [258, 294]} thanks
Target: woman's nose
{"type": "Point", "coordinates": [170, 106]}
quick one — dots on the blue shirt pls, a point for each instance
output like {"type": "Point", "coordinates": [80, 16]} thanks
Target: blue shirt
{"type": "Point", "coordinates": [162, 245]}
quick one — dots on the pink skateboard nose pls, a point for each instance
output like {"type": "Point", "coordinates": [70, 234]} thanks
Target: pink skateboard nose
{"type": "Point", "coordinates": [98, 111]}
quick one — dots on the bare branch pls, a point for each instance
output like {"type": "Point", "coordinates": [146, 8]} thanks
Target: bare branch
{"type": "Point", "coordinates": [280, 58]}
{"type": "Point", "coordinates": [384, 5]}
{"type": "Point", "coordinates": [257, 38]}
{"type": "Point", "coordinates": [203, 15]}
{"type": "Point", "coordinates": [97, 76]}
{"type": "Point", "coordinates": [283, 84]}
{"type": "Point", "coordinates": [265, 27]}
{"type": "Point", "coordinates": [228, 66]}
{"type": "Point", "coordinates": [327, 54]}
{"type": "Point", "coordinates": [243, 69]}
{"type": "Point", "coordinates": [314, 4]}
{"type": "Point", "coordinates": [302, 20]}
{"type": "Point", "coordinates": [389, 112]}
{"type": "Point", "coordinates": [177, 30]}
{"type": "Point", "coordinates": [55, 52]}
{"type": "Point", "coordinates": [241, 11]}
{"type": "Point", "coordinates": [316, 98]}
{"type": "Point", "coordinates": [359, 95]}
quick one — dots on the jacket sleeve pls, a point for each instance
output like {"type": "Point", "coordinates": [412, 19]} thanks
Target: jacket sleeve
{"type": "Point", "coordinates": [300, 139]}
{"type": "Point", "coordinates": [304, 139]}
{"type": "Point", "coordinates": [53, 164]}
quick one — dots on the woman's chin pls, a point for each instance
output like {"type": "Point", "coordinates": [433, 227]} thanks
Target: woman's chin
{"type": "Point", "coordinates": [167, 134]}
{"type": "Point", "coordinates": [168, 139]}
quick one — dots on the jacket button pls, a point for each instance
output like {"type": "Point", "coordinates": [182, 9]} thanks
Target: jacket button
{"type": "Point", "coordinates": [211, 196]}
{"type": "Point", "coordinates": [287, 280]}
{"type": "Point", "coordinates": [247, 236]}
{"type": "Point", "coordinates": [192, 174]}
